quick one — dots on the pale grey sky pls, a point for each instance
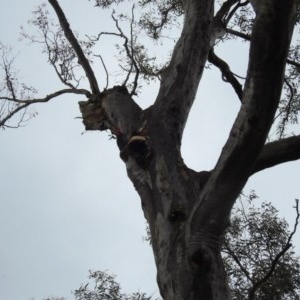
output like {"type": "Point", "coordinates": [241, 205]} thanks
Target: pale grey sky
{"type": "Point", "coordinates": [66, 204]}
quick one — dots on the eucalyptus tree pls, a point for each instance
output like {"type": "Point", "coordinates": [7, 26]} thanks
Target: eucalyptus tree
{"type": "Point", "coordinates": [187, 211]}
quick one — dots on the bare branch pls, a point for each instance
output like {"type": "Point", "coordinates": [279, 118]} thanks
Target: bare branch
{"type": "Point", "coordinates": [129, 51]}
{"type": "Point", "coordinates": [293, 63]}
{"type": "Point", "coordinates": [278, 152]}
{"type": "Point", "coordinates": [23, 104]}
{"type": "Point", "coordinates": [227, 75]}
{"type": "Point", "coordinates": [236, 259]}
{"type": "Point", "coordinates": [238, 34]}
{"type": "Point", "coordinates": [103, 64]}
{"type": "Point", "coordinates": [76, 46]}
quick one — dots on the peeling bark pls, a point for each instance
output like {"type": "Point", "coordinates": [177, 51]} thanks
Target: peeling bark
{"type": "Point", "coordinates": [187, 211]}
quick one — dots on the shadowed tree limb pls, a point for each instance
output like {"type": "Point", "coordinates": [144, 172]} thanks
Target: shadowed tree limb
{"type": "Point", "coordinates": [227, 75]}
{"type": "Point", "coordinates": [278, 152]}
{"type": "Point", "coordinates": [238, 34]}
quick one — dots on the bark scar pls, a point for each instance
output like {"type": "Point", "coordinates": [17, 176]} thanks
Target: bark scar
{"type": "Point", "coordinates": [138, 147]}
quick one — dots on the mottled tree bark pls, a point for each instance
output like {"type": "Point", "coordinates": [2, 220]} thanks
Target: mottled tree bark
{"type": "Point", "coordinates": [187, 211]}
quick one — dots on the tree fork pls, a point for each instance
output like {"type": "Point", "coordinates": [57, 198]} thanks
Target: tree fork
{"type": "Point", "coordinates": [187, 212]}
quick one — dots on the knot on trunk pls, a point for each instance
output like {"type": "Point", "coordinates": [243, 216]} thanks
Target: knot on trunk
{"type": "Point", "coordinates": [177, 215]}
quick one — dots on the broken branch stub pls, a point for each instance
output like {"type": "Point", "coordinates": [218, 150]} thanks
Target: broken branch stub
{"type": "Point", "coordinates": [113, 109]}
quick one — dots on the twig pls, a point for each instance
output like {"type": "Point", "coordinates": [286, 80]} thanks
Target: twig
{"type": "Point", "coordinates": [128, 48]}
{"type": "Point", "coordinates": [129, 52]}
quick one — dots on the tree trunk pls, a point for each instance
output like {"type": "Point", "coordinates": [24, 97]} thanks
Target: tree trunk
{"type": "Point", "coordinates": [187, 211]}
{"type": "Point", "coordinates": [189, 265]}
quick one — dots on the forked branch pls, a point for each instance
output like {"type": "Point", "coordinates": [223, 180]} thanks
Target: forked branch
{"type": "Point", "coordinates": [129, 49]}
{"type": "Point", "coordinates": [128, 45]}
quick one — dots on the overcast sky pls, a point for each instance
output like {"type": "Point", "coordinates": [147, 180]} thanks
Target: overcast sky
{"type": "Point", "coordinates": [66, 204]}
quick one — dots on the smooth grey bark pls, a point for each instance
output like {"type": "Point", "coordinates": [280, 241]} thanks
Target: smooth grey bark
{"type": "Point", "coordinates": [187, 211]}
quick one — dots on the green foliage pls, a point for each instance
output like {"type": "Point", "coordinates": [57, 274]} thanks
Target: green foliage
{"type": "Point", "coordinates": [259, 256]}
{"type": "Point", "coordinates": [156, 15]}
{"type": "Point", "coordinates": [160, 15]}
{"type": "Point", "coordinates": [106, 3]}
{"type": "Point", "coordinates": [105, 288]}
